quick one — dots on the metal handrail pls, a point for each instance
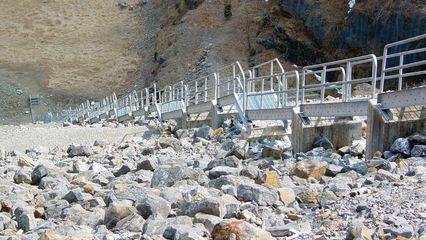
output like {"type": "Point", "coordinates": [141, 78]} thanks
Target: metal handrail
{"type": "Point", "coordinates": [401, 66]}
{"type": "Point", "coordinates": [281, 90]}
{"type": "Point", "coordinates": [233, 80]}
{"type": "Point", "coordinates": [347, 77]}
{"type": "Point", "coordinates": [271, 64]}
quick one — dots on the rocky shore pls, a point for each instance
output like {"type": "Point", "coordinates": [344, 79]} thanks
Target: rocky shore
{"type": "Point", "coordinates": [210, 184]}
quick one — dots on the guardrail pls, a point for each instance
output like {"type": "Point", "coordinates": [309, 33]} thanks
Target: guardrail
{"type": "Point", "coordinates": [345, 85]}
{"type": "Point", "coordinates": [276, 93]}
{"type": "Point", "coordinates": [272, 88]}
{"type": "Point", "coordinates": [399, 71]}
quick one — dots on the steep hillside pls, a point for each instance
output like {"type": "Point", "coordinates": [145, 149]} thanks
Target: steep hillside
{"type": "Point", "coordinates": [57, 49]}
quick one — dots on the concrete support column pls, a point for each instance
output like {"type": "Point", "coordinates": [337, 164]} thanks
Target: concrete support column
{"type": "Point", "coordinates": [340, 132]}
{"type": "Point", "coordinates": [216, 118]}
{"type": "Point", "coordinates": [382, 132]}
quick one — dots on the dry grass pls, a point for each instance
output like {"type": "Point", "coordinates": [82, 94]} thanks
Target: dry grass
{"type": "Point", "coordinates": [85, 47]}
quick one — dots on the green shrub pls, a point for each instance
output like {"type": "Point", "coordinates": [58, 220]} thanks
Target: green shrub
{"type": "Point", "coordinates": [227, 9]}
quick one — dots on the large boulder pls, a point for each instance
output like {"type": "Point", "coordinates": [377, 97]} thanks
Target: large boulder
{"type": "Point", "coordinates": [262, 195]}
{"type": "Point", "coordinates": [310, 168]}
{"type": "Point", "coordinates": [38, 173]}
{"type": "Point", "coordinates": [418, 151]}
{"type": "Point", "coordinates": [204, 132]}
{"type": "Point", "coordinates": [167, 177]}
{"type": "Point", "coordinates": [212, 206]}
{"type": "Point", "coordinates": [77, 151]}
{"type": "Point", "coordinates": [222, 170]}
{"type": "Point", "coordinates": [240, 229]}
{"type": "Point", "coordinates": [153, 206]}
{"type": "Point", "coordinates": [401, 145]}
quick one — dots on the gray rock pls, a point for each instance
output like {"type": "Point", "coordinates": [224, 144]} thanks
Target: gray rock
{"type": "Point", "coordinates": [264, 196]}
{"type": "Point", "coordinates": [132, 223]}
{"type": "Point", "coordinates": [38, 150]}
{"type": "Point", "coordinates": [2, 155]}
{"type": "Point", "coordinates": [209, 221]}
{"type": "Point", "coordinates": [418, 138]}
{"type": "Point", "coordinates": [148, 151]}
{"type": "Point", "coordinates": [182, 133]}
{"type": "Point", "coordinates": [6, 222]}
{"type": "Point", "coordinates": [228, 180]}
{"type": "Point", "coordinates": [382, 175]}
{"type": "Point", "coordinates": [53, 183]}
{"type": "Point", "coordinates": [123, 170]}
{"type": "Point", "coordinates": [184, 232]}
{"type": "Point", "coordinates": [387, 154]}
{"type": "Point", "coordinates": [358, 147]}
{"type": "Point", "coordinates": [54, 208]}
{"type": "Point", "coordinates": [204, 132]}
{"type": "Point", "coordinates": [100, 143]}
{"type": "Point", "coordinates": [170, 142]}
{"type": "Point", "coordinates": [251, 172]}
{"type": "Point", "coordinates": [223, 170]}
{"type": "Point", "coordinates": [273, 152]}
{"type": "Point", "coordinates": [116, 212]}
{"type": "Point", "coordinates": [98, 168]}
{"type": "Point", "coordinates": [79, 166]}
{"type": "Point", "coordinates": [167, 177]}
{"type": "Point", "coordinates": [401, 145]}
{"type": "Point", "coordinates": [418, 151]}
{"type": "Point", "coordinates": [326, 198]}
{"type": "Point", "coordinates": [398, 226]}
{"type": "Point", "coordinates": [379, 163]}
{"type": "Point", "coordinates": [22, 177]}
{"type": "Point", "coordinates": [153, 206]}
{"type": "Point", "coordinates": [157, 227]}
{"type": "Point", "coordinates": [38, 173]}
{"type": "Point", "coordinates": [323, 142]}
{"type": "Point", "coordinates": [149, 164]}
{"type": "Point", "coordinates": [332, 170]}
{"type": "Point", "coordinates": [27, 222]}
{"type": "Point", "coordinates": [212, 206]}
{"type": "Point", "coordinates": [77, 151]}
{"type": "Point", "coordinates": [76, 195]}
{"type": "Point", "coordinates": [173, 196]}
{"type": "Point", "coordinates": [230, 161]}
{"type": "Point", "coordinates": [359, 166]}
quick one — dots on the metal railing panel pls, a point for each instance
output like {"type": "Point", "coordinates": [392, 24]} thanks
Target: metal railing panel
{"type": "Point", "coordinates": [403, 69]}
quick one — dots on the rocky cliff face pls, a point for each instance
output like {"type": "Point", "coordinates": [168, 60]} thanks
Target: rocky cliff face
{"type": "Point", "coordinates": [193, 37]}
{"type": "Point", "coordinates": [367, 27]}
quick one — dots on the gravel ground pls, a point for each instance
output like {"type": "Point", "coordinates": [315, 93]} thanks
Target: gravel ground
{"type": "Point", "coordinates": [24, 136]}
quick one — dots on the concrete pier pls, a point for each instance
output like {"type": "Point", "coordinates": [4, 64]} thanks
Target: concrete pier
{"type": "Point", "coordinates": [384, 126]}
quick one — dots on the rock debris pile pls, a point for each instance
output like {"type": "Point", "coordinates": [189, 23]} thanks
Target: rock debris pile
{"type": "Point", "coordinates": [209, 184]}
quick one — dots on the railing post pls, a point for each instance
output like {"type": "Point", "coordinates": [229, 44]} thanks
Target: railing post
{"type": "Point", "coordinates": [401, 71]}
{"type": "Point", "coordinates": [297, 88]}
{"type": "Point", "coordinates": [205, 89]}
{"type": "Point", "coordinates": [303, 84]}
{"type": "Point", "coordinates": [383, 74]}
{"type": "Point", "coordinates": [374, 75]}
{"type": "Point", "coordinates": [346, 83]}
{"type": "Point", "coordinates": [196, 92]}
{"type": "Point", "coordinates": [216, 87]}
{"type": "Point", "coordinates": [323, 77]}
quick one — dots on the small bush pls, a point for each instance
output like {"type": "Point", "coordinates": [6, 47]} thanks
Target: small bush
{"type": "Point", "coordinates": [227, 9]}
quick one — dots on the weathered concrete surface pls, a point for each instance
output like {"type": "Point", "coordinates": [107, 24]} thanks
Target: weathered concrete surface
{"type": "Point", "coordinates": [340, 133]}
{"type": "Point", "coordinates": [381, 133]}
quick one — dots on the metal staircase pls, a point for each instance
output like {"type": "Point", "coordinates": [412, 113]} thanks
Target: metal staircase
{"type": "Point", "coordinates": [268, 92]}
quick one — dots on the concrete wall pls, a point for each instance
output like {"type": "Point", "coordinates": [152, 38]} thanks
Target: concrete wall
{"type": "Point", "coordinates": [340, 133]}
{"type": "Point", "coordinates": [381, 133]}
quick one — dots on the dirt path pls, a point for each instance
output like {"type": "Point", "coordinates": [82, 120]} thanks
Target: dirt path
{"type": "Point", "coordinates": [24, 136]}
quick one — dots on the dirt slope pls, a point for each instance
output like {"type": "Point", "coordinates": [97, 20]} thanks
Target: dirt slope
{"type": "Point", "coordinates": [65, 48]}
